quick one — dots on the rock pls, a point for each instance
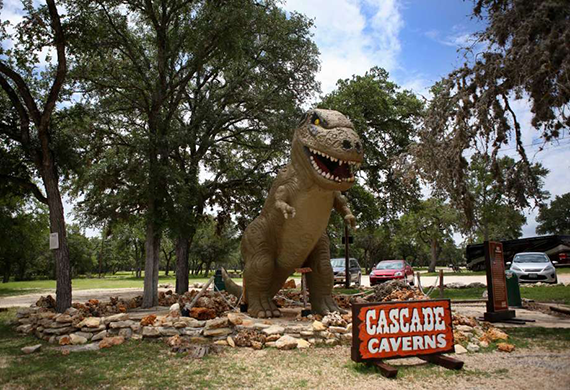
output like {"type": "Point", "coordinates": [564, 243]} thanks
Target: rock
{"type": "Point", "coordinates": [108, 342]}
{"type": "Point", "coordinates": [136, 336]}
{"type": "Point", "coordinates": [175, 307]}
{"type": "Point", "coordinates": [459, 349]}
{"type": "Point", "coordinates": [334, 319]}
{"type": "Point", "coordinates": [64, 340]}
{"type": "Point", "coordinates": [191, 331]}
{"type": "Point", "coordinates": [192, 322]}
{"type": "Point", "coordinates": [464, 328]}
{"type": "Point", "coordinates": [180, 324]}
{"type": "Point", "coordinates": [231, 342]}
{"type": "Point", "coordinates": [100, 336]}
{"type": "Point", "coordinates": [149, 331]}
{"type": "Point", "coordinates": [349, 328]}
{"type": "Point", "coordinates": [148, 320]}
{"type": "Point", "coordinates": [199, 340]}
{"type": "Point", "coordinates": [87, 335]}
{"type": "Point", "coordinates": [121, 324]}
{"type": "Point", "coordinates": [90, 322]}
{"type": "Point", "coordinates": [290, 284]}
{"type": "Point", "coordinates": [505, 347]}
{"type": "Point", "coordinates": [167, 331]}
{"type": "Point", "coordinates": [27, 328]}
{"type": "Point", "coordinates": [270, 344]}
{"type": "Point", "coordinates": [260, 325]}
{"type": "Point", "coordinates": [257, 345]}
{"type": "Point", "coordinates": [494, 334]}
{"type": "Point", "coordinates": [221, 342]}
{"type": "Point", "coordinates": [31, 349]}
{"type": "Point", "coordinates": [126, 333]}
{"type": "Point", "coordinates": [217, 323]}
{"type": "Point", "coordinates": [337, 329]}
{"type": "Point", "coordinates": [287, 342]}
{"type": "Point", "coordinates": [318, 326]}
{"type": "Point", "coordinates": [77, 340]}
{"type": "Point", "coordinates": [52, 340]}
{"type": "Point", "coordinates": [63, 318]}
{"type": "Point", "coordinates": [24, 312]}
{"type": "Point", "coordinates": [94, 330]}
{"type": "Point", "coordinates": [79, 348]}
{"type": "Point", "coordinates": [484, 344]}
{"type": "Point", "coordinates": [217, 332]}
{"type": "Point", "coordinates": [273, 337]}
{"type": "Point", "coordinates": [331, 342]}
{"type": "Point", "coordinates": [235, 318]}
{"type": "Point", "coordinates": [473, 347]}
{"type": "Point", "coordinates": [307, 333]}
{"type": "Point", "coordinates": [71, 311]}
{"type": "Point", "coordinates": [274, 329]}
{"type": "Point", "coordinates": [202, 313]}
{"type": "Point", "coordinates": [115, 318]}
{"type": "Point", "coordinates": [485, 294]}
{"type": "Point", "coordinates": [302, 344]}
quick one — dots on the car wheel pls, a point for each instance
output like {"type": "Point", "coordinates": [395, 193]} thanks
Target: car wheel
{"type": "Point", "coordinates": [359, 280]}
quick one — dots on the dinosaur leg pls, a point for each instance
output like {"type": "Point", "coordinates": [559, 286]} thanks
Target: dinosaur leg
{"type": "Point", "coordinates": [320, 280]}
{"type": "Point", "coordinates": [259, 280]}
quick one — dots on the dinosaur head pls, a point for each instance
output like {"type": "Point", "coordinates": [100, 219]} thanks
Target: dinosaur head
{"type": "Point", "coordinates": [327, 149]}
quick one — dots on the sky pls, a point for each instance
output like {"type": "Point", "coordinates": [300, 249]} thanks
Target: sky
{"type": "Point", "coordinates": [418, 42]}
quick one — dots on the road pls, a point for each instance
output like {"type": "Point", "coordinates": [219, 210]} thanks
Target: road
{"type": "Point", "coordinates": [104, 294]}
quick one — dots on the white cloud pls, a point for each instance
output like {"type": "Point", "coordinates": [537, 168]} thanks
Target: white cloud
{"type": "Point", "coordinates": [352, 36]}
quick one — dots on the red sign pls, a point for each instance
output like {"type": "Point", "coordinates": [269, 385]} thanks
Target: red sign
{"type": "Point", "coordinates": [401, 329]}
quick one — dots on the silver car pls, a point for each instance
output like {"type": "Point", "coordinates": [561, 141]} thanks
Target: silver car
{"type": "Point", "coordinates": [534, 267]}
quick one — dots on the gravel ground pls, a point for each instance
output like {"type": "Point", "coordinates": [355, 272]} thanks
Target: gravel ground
{"type": "Point", "coordinates": [331, 368]}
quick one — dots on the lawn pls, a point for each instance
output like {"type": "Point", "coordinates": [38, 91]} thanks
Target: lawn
{"type": "Point", "coordinates": [119, 280]}
{"type": "Point", "coordinates": [547, 294]}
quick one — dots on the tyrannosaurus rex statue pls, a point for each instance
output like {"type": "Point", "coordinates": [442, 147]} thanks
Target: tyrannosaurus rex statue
{"type": "Point", "coordinates": [290, 232]}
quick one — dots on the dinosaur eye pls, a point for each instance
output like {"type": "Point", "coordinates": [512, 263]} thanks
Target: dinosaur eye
{"type": "Point", "coordinates": [315, 120]}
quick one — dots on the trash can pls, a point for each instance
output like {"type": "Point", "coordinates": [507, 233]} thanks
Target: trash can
{"type": "Point", "coordinates": [513, 289]}
{"type": "Point", "coordinates": [219, 280]}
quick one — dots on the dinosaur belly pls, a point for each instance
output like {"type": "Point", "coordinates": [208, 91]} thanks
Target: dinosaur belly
{"type": "Point", "coordinates": [301, 233]}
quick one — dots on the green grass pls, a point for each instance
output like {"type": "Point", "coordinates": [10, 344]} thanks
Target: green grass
{"type": "Point", "coordinates": [547, 294]}
{"type": "Point", "coordinates": [119, 280]}
{"type": "Point", "coordinates": [451, 273]}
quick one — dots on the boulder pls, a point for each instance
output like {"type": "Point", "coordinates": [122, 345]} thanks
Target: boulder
{"type": "Point", "coordinates": [108, 342]}
{"type": "Point", "coordinates": [286, 342]}
{"type": "Point", "coordinates": [148, 320]}
{"type": "Point", "coordinates": [302, 344]}
{"type": "Point", "coordinates": [473, 347]}
{"type": "Point", "coordinates": [274, 329]}
{"type": "Point", "coordinates": [191, 331]}
{"type": "Point", "coordinates": [100, 336]}
{"type": "Point", "coordinates": [31, 348]}
{"type": "Point", "coordinates": [217, 332]}
{"type": "Point", "coordinates": [121, 324]}
{"type": "Point", "coordinates": [59, 331]}
{"type": "Point", "coordinates": [505, 347]}
{"type": "Point", "coordinates": [318, 326]}
{"type": "Point", "coordinates": [167, 331]}
{"type": "Point", "coordinates": [87, 335]}
{"type": "Point", "coordinates": [337, 329]}
{"type": "Point", "coordinates": [231, 342]}
{"type": "Point", "coordinates": [64, 340]}
{"type": "Point", "coordinates": [217, 323]}
{"type": "Point", "coordinates": [235, 318]}
{"type": "Point", "coordinates": [148, 331]}
{"type": "Point", "coordinates": [126, 333]}
{"type": "Point", "coordinates": [27, 328]}
{"type": "Point", "coordinates": [63, 318]}
{"type": "Point", "coordinates": [77, 340]}
{"type": "Point", "coordinates": [459, 349]}
{"type": "Point", "coordinates": [115, 318]}
{"type": "Point", "coordinates": [90, 322]}
{"type": "Point", "coordinates": [257, 345]}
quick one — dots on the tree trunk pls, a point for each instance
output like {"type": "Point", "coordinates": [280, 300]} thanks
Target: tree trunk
{"type": "Point", "coordinates": [182, 246]}
{"type": "Point", "coordinates": [152, 246]}
{"type": "Point", "coordinates": [434, 251]}
{"type": "Point", "coordinates": [7, 267]}
{"type": "Point", "coordinates": [57, 225]}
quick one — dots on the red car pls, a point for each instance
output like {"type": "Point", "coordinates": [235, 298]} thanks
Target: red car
{"type": "Point", "coordinates": [392, 269]}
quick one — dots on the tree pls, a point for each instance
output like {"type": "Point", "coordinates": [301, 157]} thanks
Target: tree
{"type": "Point", "coordinates": [33, 97]}
{"type": "Point", "coordinates": [386, 119]}
{"type": "Point", "coordinates": [497, 208]}
{"type": "Point", "coordinates": [526, 58]}
{"type": "Point", "coordinates": [555, 218]}
{"type": "Point", "coordinates": [181, 88]}
{"type": "Point", "coordinates": [432, 222]}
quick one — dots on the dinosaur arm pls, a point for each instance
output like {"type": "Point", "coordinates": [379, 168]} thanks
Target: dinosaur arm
{"type": "Point", "coordinates": [281, 197]}
{"type": "Point", "coordinates": [341, 206]}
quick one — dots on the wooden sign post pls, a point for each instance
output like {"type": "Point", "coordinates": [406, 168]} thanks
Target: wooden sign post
{"type": "Point", "coordinates": [497, 304]}
{"type": "Point", "coordinates": [423, 329]}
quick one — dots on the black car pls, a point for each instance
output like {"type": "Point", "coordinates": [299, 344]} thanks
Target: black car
{"type": "Point", "coordinates": [339, 267]}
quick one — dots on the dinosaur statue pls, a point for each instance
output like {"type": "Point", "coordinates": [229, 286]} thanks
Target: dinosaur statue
{"type": "Point", "coordinates": [290, 232]}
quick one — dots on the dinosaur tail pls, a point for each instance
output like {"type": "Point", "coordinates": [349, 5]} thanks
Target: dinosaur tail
{"type": "Point", "coordinates": [231, 286]}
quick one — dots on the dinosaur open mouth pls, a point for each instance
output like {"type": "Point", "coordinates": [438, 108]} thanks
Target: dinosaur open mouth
{"type": "Point", "coordinates": [332, 168]}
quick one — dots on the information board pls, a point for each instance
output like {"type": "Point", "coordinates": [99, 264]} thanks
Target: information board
{"type": "Point", "coordinates": [401, 329]}
{"type": "Point", "coordinates": [497, 303]}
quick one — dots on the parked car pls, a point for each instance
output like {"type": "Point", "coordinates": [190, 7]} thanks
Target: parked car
{"type": "Point", "coordinates": [339, 268]}
{"type": "Point", "coordinates": [534, 267]}
{"type": "Point", "coordinates": [392, 269]}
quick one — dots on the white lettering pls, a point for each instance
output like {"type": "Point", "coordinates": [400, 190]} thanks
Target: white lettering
{"type": "Point", "coordinates": [403, 325]}
{"type": "Point", "coordinates": [429, 341]}
{"type": "Point", "coordinates": [441, 342]}
{"type": "Point", "coordinates": [370, 326]}
{"type": "Point", "coordinates": [406, 343]}
{"type": "Point", "coordinates": [394, 327]}
{"type": "Point", "coordinates": [395, 343]}
{"type": "Point", "coordinates": [439, 324]}
{"type": "Point", "coordinates": [418, 342]}
{"type": "Point", "coordinates": [428, 319]}
{"type": "Point", "coordinates": [416, 324]}
{"type": "Point", "coordinates": [382, 323]}
{"type": "Point", "coordinates": [371, 347]}
{"type": "Point", "coordinates": [384, 346]}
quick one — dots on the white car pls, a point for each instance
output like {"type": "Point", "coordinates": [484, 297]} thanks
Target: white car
{"type": "Point", "coordinates": [534, 267]}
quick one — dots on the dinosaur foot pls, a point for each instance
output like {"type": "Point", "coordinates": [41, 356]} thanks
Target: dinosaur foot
{"type": "Point", "coordinates": [325, 304]}
{"type": "Point", "coordinates": [263, 308]}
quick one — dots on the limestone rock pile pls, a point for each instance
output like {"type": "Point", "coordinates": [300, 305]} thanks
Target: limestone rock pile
{"type": "Point", "coordinates": [395, 290]}
{"type": "Point", "coordinates": [476, 335]}
{"type": "Point", "coordinates": [212, 300]}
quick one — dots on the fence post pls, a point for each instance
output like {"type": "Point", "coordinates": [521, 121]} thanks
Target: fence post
{"type": "Point", "coordinates": [419, 282]}
{"type": "Point", "coordinates": [441, 283]}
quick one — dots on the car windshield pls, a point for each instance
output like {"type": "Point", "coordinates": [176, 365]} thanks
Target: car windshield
{"type": "Point", "coordinates": [390, 265]}
{"type": "Point", "coordinates": [531, 258]}
{"type": "Point", "coordinates": [338, 263]}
